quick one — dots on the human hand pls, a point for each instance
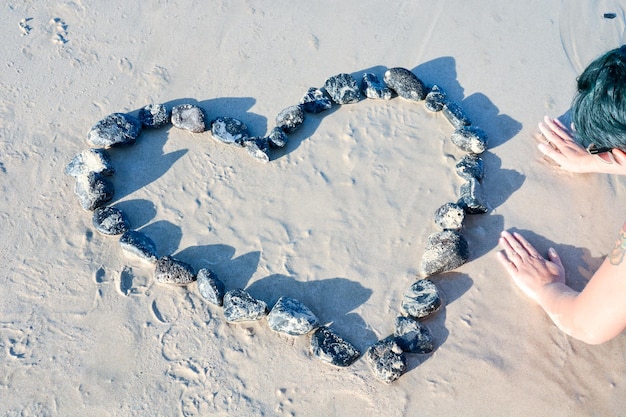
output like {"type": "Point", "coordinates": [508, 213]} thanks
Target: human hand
{"type": "Point", "coordinates": [530, 271]}
{"type": "Point", "coordinates": [559, 146]}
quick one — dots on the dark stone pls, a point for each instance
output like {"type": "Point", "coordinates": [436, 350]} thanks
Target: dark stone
{"type": "Point", "coordinates": [258, 148]}
{"type": "Point", "coordinates": [138, 244]}
{"type": "Point", "coordinates": [290, 119]}
{"type": "Point", "coordinates": [386, 360]}
{"type": "Point", "coordinates": [372, 87]}
{"type": "Point", "coordinates": [455, 115]}
{"type": "Point", "coordinates": [90, 160]}
{"type": "Point", "coordinates": [470, 139]}
{"type": "Point", "coordinates": [450, 216]}
{"type": "Point", "coordinates": [210, 287]}
{"type": "Point", "coordinates": [93, 190]}
{"type": "Point", "coordinates": [277, 138]}
{"type": "Point", "coordinates": [172, 271]}
{"type": "Point", "coordinates": [343, 89]}
{"type": "Point", "coordinates": [329, 347]}
{"type": "Point", "coordinates": [154, 116]}
{"type": "Point", "coordinates": [241, 306]}
{"type": "Point", "coordinates": [229, 130]}
{"type": "Point", "coordinates": [412, 336]}
{"type": "Point", "coordinates": [315, 101]}
{"type": "Point", "coordinates": [435, 99]}
{"type": "Point", "coordinates": [109, 221]}
{"type": "Point", "coordinates": [115, 130]}
{"type": "Point", "coordinates": [445, 251]}
{"type": "Point", "coordinates": [470, 166]}
{"type": "Point", "coordinates": [405, 84]}
{"type": "Point", "coordinates": [188, 117]}
{"type": "Point", "coordinates": [291, 317]}
{"type": "Point", "coordinates": [421, 300]}
{"type": "Point", "coordinates": [472, 197]}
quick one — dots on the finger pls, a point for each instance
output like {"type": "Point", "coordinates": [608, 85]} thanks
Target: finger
{"type": "Point", "coordinates": [527, 246]}
{"type": "Point", "coordinates": [506, 246]}
{"type": "Point", "coordinates": [552, 153]}
{"type": "Point", "coordinates": [551, 136]}
{"type": "Point", "coordinates": [512, 246]}
{"type": "Point", "coordinates": [506, 262]}
{"type": "Point", "coordinates": [557, 127]}
{"type": "Point", "coordinates": [554, 257]}
{"type": "Point", "coordinates": [620, 156]}
{"type": "Point", "coordinates": [523, 247]}
{"type": "Point", "coordinates": [562, 126]}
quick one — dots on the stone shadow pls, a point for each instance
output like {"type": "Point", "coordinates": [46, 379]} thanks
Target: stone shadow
{"type": "Point", "coordinates": [165, 235]}
{"type": "Point", "coordinates": [138, 212]}
{"type": "Point", "coordinates": [145, 161]}
{"type": "Point", "coordinates": [479, 108]}
{"type": "Point", "coordinates": [332, 300]}
{"type": "Point", "coordinates": [233, 272]}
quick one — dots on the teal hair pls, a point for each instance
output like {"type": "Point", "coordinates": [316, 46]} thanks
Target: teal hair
{"type": "Point", "coordinates": [599, 107]}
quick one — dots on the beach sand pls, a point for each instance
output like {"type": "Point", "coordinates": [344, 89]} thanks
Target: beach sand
{"type": "Point", "coordinates": [338, 219]}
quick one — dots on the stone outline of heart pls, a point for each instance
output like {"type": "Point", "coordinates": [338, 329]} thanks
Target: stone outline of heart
{"type": "Point", "coordinates": [385, 352]}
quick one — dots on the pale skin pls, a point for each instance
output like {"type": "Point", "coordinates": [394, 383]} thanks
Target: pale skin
{"type": "Point", "coordinates": [597, 313]}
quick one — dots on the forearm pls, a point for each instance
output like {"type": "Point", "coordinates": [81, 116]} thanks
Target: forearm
{"type": "Point", "coordinates": [560, 303]}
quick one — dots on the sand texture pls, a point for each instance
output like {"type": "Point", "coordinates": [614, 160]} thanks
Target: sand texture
{"type": "Point", "coordinates": [338, 219]}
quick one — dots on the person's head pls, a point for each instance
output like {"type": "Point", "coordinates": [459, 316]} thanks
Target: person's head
{"type": "Point", "coordinates": [599, 107]}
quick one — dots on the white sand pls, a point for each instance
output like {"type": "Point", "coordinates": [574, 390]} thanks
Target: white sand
{"type": "Point", "coordinates": [338, 221]}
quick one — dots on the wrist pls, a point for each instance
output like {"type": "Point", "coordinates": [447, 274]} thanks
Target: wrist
{"type": "Point", "coordinates": [551, 294]}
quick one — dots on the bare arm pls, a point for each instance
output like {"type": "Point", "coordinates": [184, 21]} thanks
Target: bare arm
{"type": "Point", "coordinates": [595, 315]}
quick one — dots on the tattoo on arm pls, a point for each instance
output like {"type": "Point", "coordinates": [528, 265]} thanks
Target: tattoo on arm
{"type": "Point", "coordinates": [619, 250]}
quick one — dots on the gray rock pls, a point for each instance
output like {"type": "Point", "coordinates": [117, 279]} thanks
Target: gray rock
{"type": "Point", "coordinates": [386, 360]}
{"type": "Point", "coordinates": [138, 244]}
{"type": "Point", "coordinates": [109, 221]}
{"type": "Point", "coordinates": [435, 99]}
{"type": "Point", "coordinates": [405, 84]}
{"type": "Point", "coordinates": [257, 148]}
{"type": "Point", "coordinates": [277, 138]}
{"type": "Point", "coordinates": [343, 89]}
{"type": "Point", "coordinates": [450, 216]}
{"type": "Point", "coordinates": [412, 336]}
{"type": "Point", "coordinates": [172, 271]}
{"type": "Point", "coordinates": [290, 119]}
{"type": "Point", "coordinates": [188, 117]}
{"type": "Point", "coordinates": [154, 116]}
{"type": "Point", "coordinates": [445, 251]}
{"type": "Point", "coordinates": [331, 348]}
{"type": "Point", "coordinates": [93, 190]}
{"type": "Point", "coordinates": [229, 130]}
{"type": "Point", "coordinates": [473, 198]}
{"type": "Point", "coordinates": [114, 130]}
{"type": "Point", "coordinates": [455, 115]}
{"type": "Point", "coordinates": [315, 101]}
{"type": "Point", "coordinates": [241, 306]}
{"type": "Point", "coordinates": [470, 139]}
{"type": "Point", "coordinates": [210, 287]}
{"type": "Point", "coordinates": [291, 317]}
{"type": "Point", "coordinates": [470, 166]}
{"type": "Point", "coordinates": [421, 300]}
{"type": "Point", "coordinates": [373, 88]}
{"type": "Point", "coordinates": [90, 160]}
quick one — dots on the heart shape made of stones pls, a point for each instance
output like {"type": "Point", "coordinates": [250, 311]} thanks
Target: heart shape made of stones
{"type": "Point", "coordinates": [445, 250]}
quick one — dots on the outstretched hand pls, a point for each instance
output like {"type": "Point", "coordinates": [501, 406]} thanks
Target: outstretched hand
{"type": "Point", "coordinates": [558, 144]}
{"type": "Point", "coordinates": [530, 271]}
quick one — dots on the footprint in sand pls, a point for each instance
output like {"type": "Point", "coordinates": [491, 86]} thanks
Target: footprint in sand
{"type": "Point", "coordinates": [15, 342]}
{"type": "Point", "coordinates": [59, 31]}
